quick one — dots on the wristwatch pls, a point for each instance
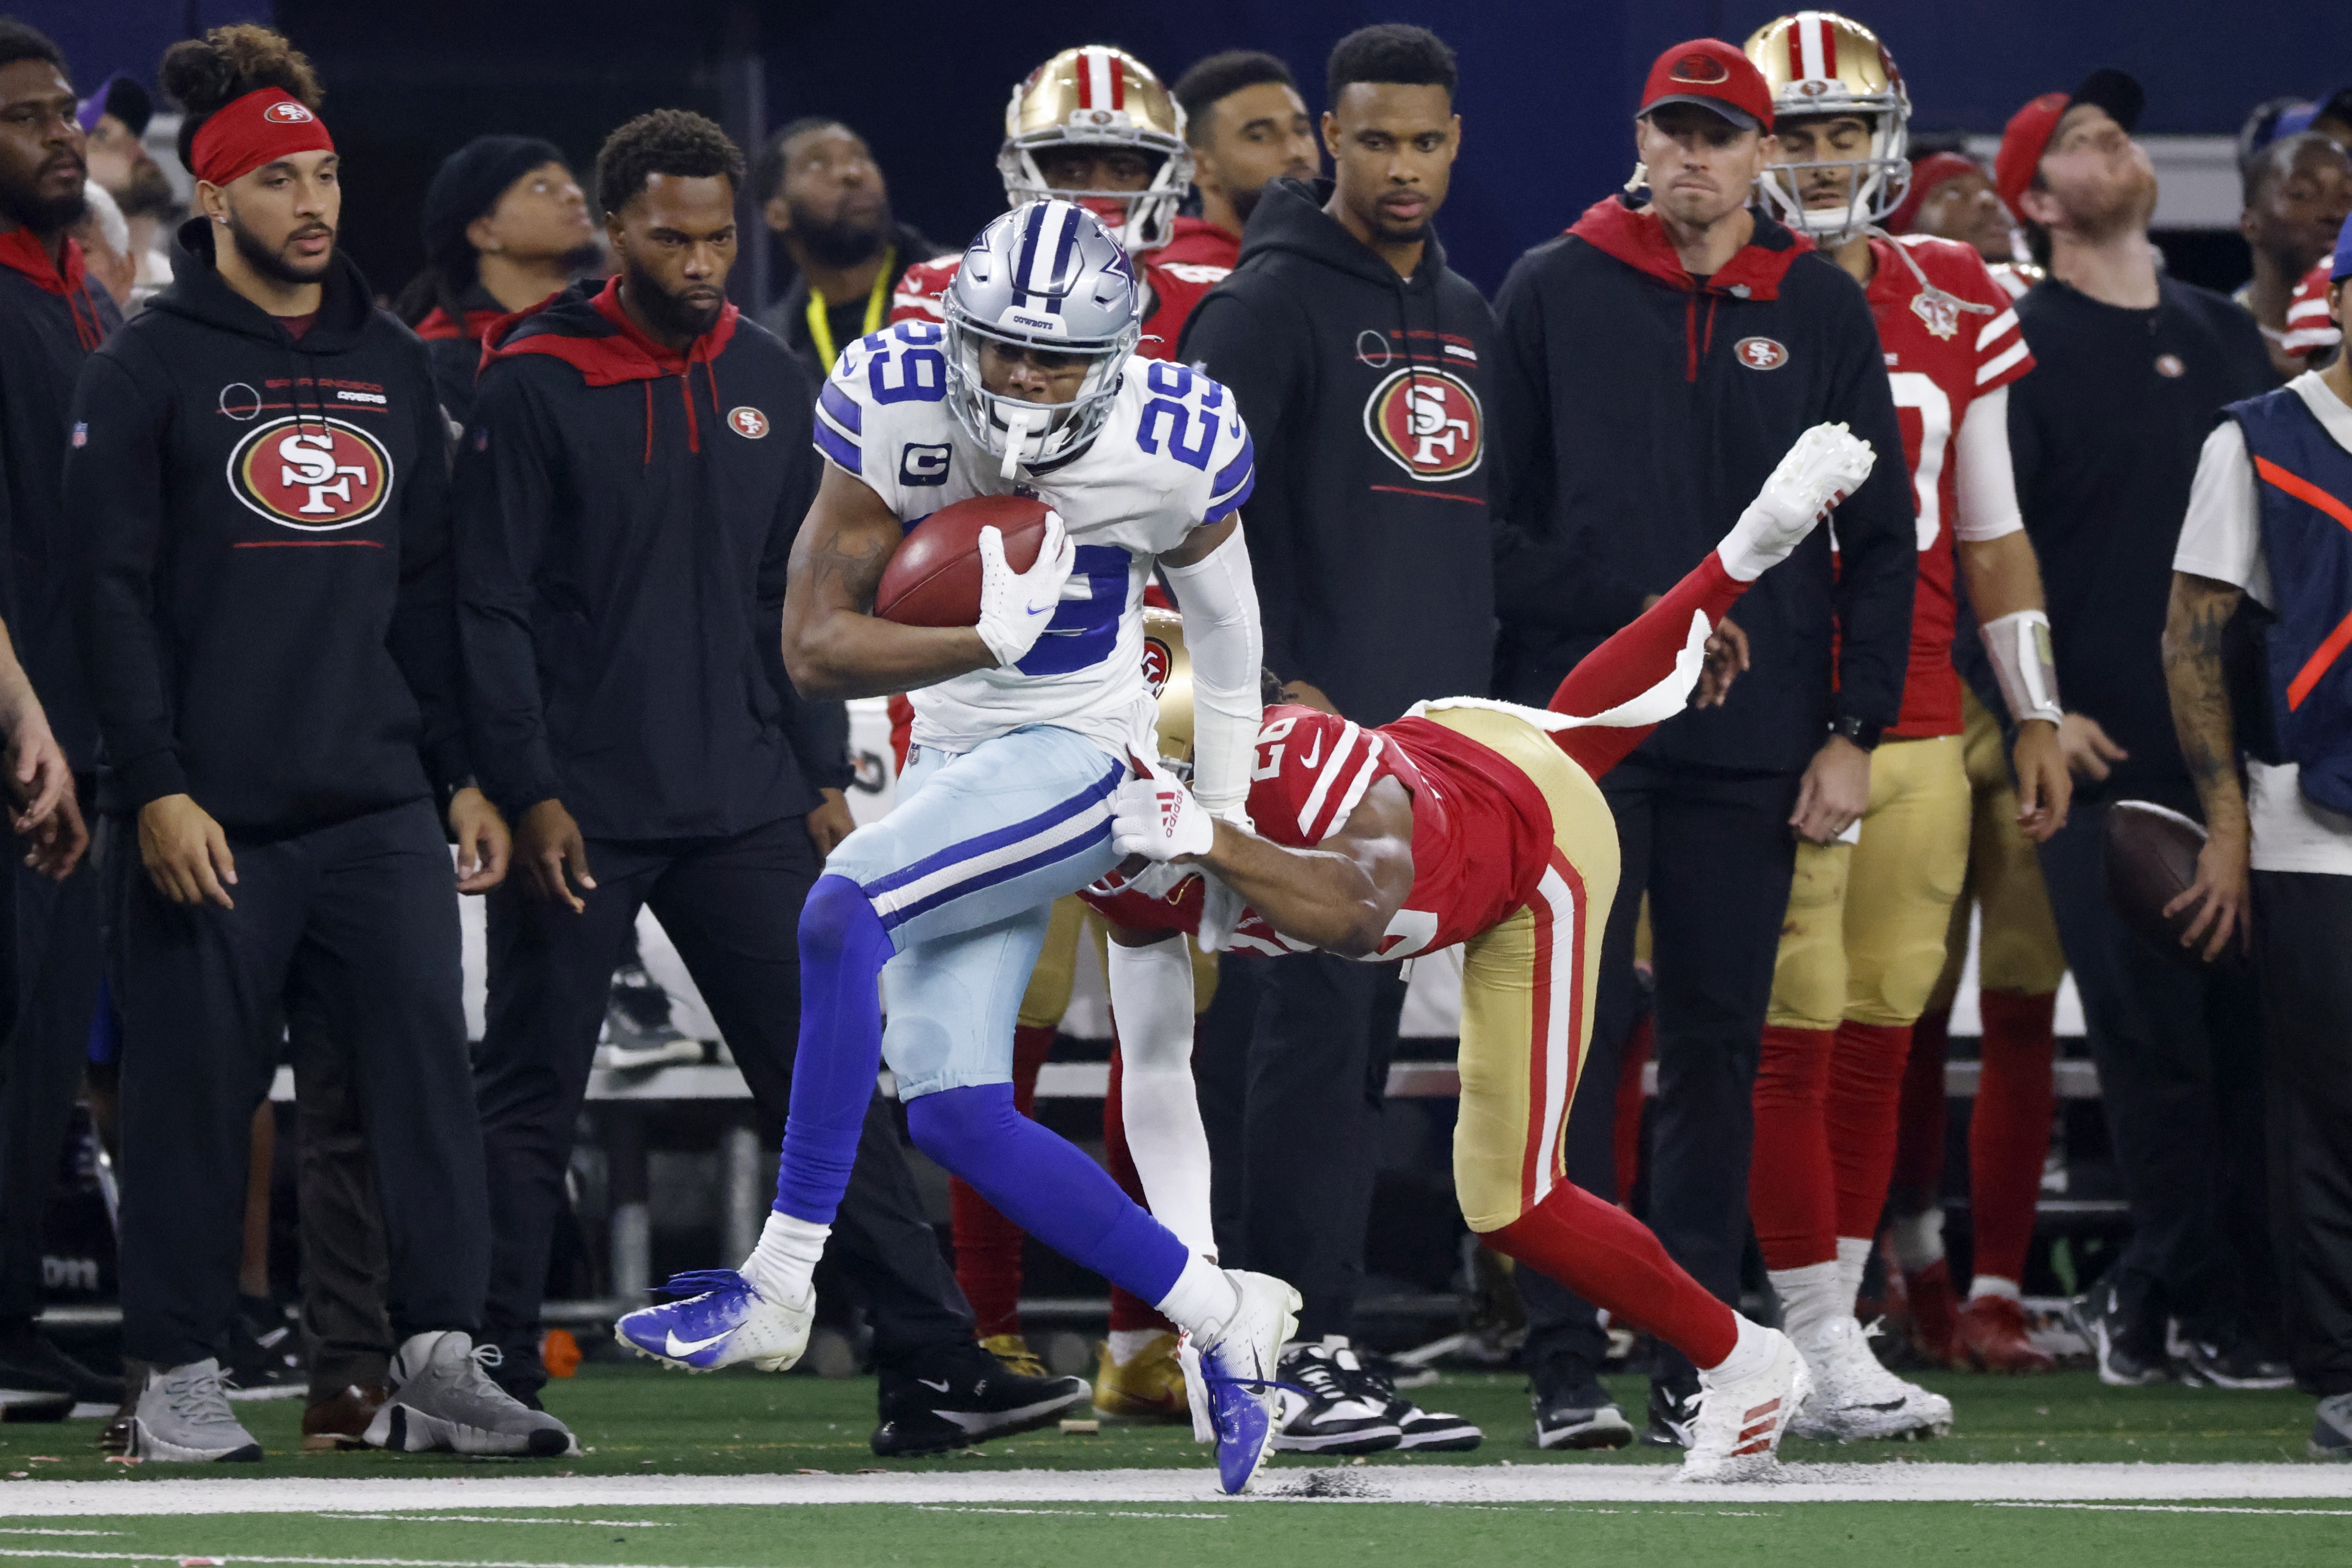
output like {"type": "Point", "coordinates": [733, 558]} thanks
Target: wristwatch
{"type": "Point", "coordinates": [1861, 731]}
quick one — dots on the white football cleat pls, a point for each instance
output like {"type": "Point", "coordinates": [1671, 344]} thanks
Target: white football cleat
{"type": "Point", "coordinates": [1736, 1433]}
{"type": "Point", "coordinates": [1237, 1368]}
{"type": "Point", "coordinates": [725, 1321]}
{"type": "Point", "coordinates": [1856, 1398]}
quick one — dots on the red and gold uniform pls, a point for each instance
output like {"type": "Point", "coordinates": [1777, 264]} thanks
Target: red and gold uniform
{"type": "Point", "coordinates": [1175, 288]}
{"type": "Point", "coordinates": [2308, 329]}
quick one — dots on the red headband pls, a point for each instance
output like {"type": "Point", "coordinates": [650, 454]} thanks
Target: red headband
{"type": "Point", "coordinates": [259, 128]}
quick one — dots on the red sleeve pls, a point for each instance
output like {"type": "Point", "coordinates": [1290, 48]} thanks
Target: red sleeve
{"type": "Point", "coordinates": [920, 289]}
{"type": "Point", "coordinates": [2000, 352]}
{"type": "Point", "coordinates": [2308, 329]}
{"type": "Point", "coordinates": [1311, 770]}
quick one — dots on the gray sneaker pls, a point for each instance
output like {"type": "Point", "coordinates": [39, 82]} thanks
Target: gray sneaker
{"type": "Point", "coordinates": [444, 1400]}
{"type": "Point", "coordinates": [2331, 1429]}
{"type": "Point", "coordinates": [184, 1415]}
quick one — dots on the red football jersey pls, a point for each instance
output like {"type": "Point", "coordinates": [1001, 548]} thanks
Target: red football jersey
{"type": "Point", "coordinates": [2308, 329]}
{"type": "Point", "coordinates": [1174, 287]}
{"type": "Point", "coordinates": [1482, 834]}
{"type": "Point", "coordinates": [1940, 357]}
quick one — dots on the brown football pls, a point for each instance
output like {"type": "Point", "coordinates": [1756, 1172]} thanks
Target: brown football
{"type": "Point", "coordinates": [934, 578]}
{"type": "Point", "coordinates": [2151, 857]}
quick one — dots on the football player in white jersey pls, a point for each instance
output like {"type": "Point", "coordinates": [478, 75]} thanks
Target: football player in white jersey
{"type": "Point", "coordinates": [1026, 726]}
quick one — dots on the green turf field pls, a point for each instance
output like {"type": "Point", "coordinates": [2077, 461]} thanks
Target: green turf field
{"type": "Point", "coordinates": [1024, 1501]}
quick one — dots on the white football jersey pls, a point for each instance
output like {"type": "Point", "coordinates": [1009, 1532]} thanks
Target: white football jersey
{"type": "Point", "coordinates": [1173, 455]}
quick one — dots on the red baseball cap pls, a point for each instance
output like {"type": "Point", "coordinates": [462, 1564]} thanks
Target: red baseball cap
{"type": "Point", "coordinates": [1714, 75]}
{"type": "Point", "coordinates": [2027, 135]}
{"type": "Point", "coordinates": [1927, 174]}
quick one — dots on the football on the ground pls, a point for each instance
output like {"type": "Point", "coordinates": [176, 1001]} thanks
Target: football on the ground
{"type": "Point", "coordinates": [934, 578]}
{"type": "Point", "coordinates": [2151, 856]}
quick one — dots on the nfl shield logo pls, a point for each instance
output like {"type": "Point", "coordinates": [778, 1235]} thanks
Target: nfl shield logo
{"type": "Point", "coordinates": [1939, 310]}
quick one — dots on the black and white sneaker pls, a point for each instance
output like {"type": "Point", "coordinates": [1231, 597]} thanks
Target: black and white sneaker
{"type": "Point", "coordinates": [960, 1395]}
{"type": "Point", "coordinates": [1578, 1414]}
{"type": "Point", "coordinates": [1674, 1408]}
{"type": "Point", "coordinates": [1322, 1411]}
{"type": "Point", "coordinates": [2238, 1362]}
{"type": "Point", "coordinates": [2331, 1429]}
{"type": "Point", "coordinates": [264, 1358]}
{"type": "Point", "coordinates": [2120, 1344]}
{"type": "Point", "coordinates": [1422, 1431]}
{"type": "Point", "coordinates": [637, 1034]}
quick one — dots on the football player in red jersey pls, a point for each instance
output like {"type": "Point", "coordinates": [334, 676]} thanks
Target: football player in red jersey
{"type": "Point", "coordinates": [1247, 127]}
{"type": "Point", "coordinates": [1474, 823]}
{"type": "Point", "coordinates": [1864, 940]}
{"type": "Point", "coordinates": [1092, 125]}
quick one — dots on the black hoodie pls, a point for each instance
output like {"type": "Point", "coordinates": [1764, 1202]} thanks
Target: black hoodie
{"type": "Point", "coordinates": [1368, 396]}
{"type": "Point", "coordinates": [267, 605]}
{"type": "Point", "coordinates": [624, 517]}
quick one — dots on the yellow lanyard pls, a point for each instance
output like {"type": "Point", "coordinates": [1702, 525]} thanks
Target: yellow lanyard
{"type": "Point", "coordinates": [821, 329]}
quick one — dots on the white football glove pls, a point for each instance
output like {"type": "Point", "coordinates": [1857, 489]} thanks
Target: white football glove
{"type": "Point", "coordinates": [1154, 816]}
{"type": "Point", "coordinates": [1825, 466]}
{"type": "Point", "coordinates": [1015, 607]}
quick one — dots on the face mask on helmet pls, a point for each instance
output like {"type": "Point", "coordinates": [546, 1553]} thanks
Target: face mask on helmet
{"type": "Point", "coordinates": [1875, 179]}
{"type": "Point", "coordinates": [1106, 100]}
{"type": "Point", "coordinates": [1045, 278]}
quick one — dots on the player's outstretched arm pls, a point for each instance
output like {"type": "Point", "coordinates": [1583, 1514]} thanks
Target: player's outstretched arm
{"type": "Point", "coordinates": [1210, 575]}
{"type": "Point", "coordinates": [1338, 895]}
{"type": "Point", "coordinates": [834, 646]}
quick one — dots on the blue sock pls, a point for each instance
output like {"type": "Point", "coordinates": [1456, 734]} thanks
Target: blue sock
{"type": "Point", "coordinates": [1047, 1186]}
{"type": "Point", "coordinates": [842, 950]}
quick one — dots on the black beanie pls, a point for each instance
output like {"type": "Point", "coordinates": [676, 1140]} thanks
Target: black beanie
{"type": "Point", "coordinates": [468, 185]}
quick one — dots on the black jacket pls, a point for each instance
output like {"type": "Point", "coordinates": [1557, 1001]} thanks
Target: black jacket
{"type": "Point", "coordinates": [267, 609]}
{"type": "Point", "coordinates": [625, 518]}
{"type": "Point", "coordinates": [454, 347]}
{"type": "Point", "coordinates": [49, 322]}
{"type": "Point", "coordinates": [2105, 436]}
{"type": "Point", "coordinates": [788, 317]}
{"type": "Point", "coordinates": [1641, 411]}
{"type": "Point", "coordinates": [1367, 396]}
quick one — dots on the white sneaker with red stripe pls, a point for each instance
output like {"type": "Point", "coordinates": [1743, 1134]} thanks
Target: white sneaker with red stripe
{"type": "Point", "coordinates": [1736, 1435]}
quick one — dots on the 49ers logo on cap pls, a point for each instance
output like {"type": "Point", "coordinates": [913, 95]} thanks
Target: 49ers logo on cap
{"type": "Point", "coordinates": [748, 422]}
{"type": "Point", "coordinates": [1700, 70]}
{"type": "Point", "coordinates": [1760, 354]}
{"type": "Point", "coordinates": [288, 114]}
{"type": "Point", "coordinates": [1157, 661]}
{"type": "Point", "coordinates": [1428, 422]}
{"type": "Point", "coordinates": [314, 474]}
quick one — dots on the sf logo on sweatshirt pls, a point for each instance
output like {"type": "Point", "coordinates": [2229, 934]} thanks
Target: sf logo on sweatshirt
{"type": "Point", "coordinates": [311, 473]}
{"type": "Point", "coordinates": [1427, 421]}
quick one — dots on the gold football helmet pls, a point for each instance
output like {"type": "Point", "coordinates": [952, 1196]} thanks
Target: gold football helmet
{"type": "Point", "coordinates": [1819, 64]}
{"type": "Point", "coordinates": [1167, 675]}
{"type": "Point", "coordinates": [1097, 96]}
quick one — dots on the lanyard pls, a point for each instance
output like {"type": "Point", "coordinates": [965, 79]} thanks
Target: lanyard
{"type": "Point", "coordinates": [821, 329]}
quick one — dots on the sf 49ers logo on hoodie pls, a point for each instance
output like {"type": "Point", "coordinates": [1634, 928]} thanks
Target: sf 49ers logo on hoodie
{"type": "Point", "coordinates": [1427, 421]}
{"type": "Point", "coordinates": [311, 473]}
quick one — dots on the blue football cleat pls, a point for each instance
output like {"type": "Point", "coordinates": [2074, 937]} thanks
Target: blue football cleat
{"type": "Point", "coordinates": [1236, 1370]}
{"type": "Point", "coordinates": [722, 1320]}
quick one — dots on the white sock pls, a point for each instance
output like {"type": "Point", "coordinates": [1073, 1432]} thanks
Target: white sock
{"type": "Point", "coordinates": [1808, 1298]}
{"type": "Point", "coordinates": [1994, 1285]}
{"type": "Point", "coordinates": [1918, 1239]}
{"type": "Point", "coordinates": [1748, 1354]}
{"type": "Point", "coordinates": [1853, 1256]}
{"type": "Point", "coordinates": [784, 1264]}
{"type": "Point", "coordinates": [1126, 1345]}
{"type": "Point", "coordinates": [1201, 1301]}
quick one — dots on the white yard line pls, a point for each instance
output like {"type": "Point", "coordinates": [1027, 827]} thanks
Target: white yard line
{"type": "Point", "coordinates": [1553, 1483]}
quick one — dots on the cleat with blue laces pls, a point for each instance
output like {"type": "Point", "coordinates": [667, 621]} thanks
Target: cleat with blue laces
{"type": "Point", "coordinates": [1238, 1362]}
{"type": "Point", "coordinates": [721, 1321]}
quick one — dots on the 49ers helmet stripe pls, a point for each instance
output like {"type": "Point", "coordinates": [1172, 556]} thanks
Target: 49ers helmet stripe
{"type": "Point", "coordinates": [1813, 49]}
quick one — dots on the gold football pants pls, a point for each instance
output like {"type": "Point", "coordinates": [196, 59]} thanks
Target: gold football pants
{"type": "Point", "coordinates": [2017, 949]}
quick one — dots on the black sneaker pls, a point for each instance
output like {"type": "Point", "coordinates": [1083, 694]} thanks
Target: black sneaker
{"type": "Point", "coordinates": [1322, 1409]}
{"type": "Point", "coordinates": [1422, 1431]}
{"type": "Point", "coordinates": [2331, 1429]}
{"type": "Point", "coordinates": [1394, 1372]}
{"type": "Point", "coordinates": [2236, 1364]}
{"type": "Point", "coordinates": [960, 1395]}
{"type": "Point", "coordinates": [1578, 1415]}
{"type": "Point", "coordinates": [263, 1351]}
{"type": "Point", "coordinates": [29, 1359]}
{"type": "Point", "coordinates": [1674, 1407]}
{"type": "Point", "coordinates": [2117, 1341]}
{"type": "Point", "coordinates": [637, 1033]}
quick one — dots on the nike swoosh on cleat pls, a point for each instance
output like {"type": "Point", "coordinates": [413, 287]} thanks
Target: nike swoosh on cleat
{"type": "Point", "coordinates": [941, 1386]}
{"type": "Point", "coordinates": [1890, 1404]}
{"type": "Point", "coordinates": [678, 1347]}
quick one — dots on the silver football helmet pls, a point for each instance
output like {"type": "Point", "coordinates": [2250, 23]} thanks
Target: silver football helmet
{"type": "Point", "coordinates": [1046, 277]}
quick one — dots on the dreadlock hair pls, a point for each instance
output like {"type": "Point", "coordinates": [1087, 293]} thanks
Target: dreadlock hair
{"type": "Point", "coordinates": [206, 75]}
{"type": "Point", "coordinates": [665, 141]}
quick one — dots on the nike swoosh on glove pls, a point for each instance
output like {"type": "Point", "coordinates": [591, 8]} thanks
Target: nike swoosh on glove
{"type": "Point", "coordinates": [1157, 817]}
{"type": "Point", "coordinates": [1016, 607]}
{"type": "Point", "coordinates": [1827, 464]}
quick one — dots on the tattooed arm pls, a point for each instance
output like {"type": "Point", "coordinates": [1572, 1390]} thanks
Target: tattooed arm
{"type": "Point", "coordinates": [834, 645]}
{"type": "Point", "coordinates": [2200, 609]}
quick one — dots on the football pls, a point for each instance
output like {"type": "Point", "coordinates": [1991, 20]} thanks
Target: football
{"type": "Point", "coordinates": [2151, 859]}
{"type": "Point", "coordinates": [934, 578]}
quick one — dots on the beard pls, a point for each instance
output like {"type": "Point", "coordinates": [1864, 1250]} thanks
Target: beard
{"type": "Point", "coordinates": [669, 315]}
{"type": "Point", "coordinates": [43, 215]}
{"type": "Point", "coordinates": [149, 190]}
{"type": "Point", "coordinates": [274, 265]}
{"type": "Point", "coordinates": [1245, 202]}
{"type": "Point", "coordinates": [2120, 208]}
{"type": "Point", "coordinates": [841, 243]}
